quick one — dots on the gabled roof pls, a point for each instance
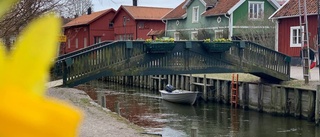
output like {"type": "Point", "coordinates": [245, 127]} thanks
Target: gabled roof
{"type": "Point", "coordinates": [222, 7]}
{"type": "Point", "coordinates": [144, 13]}
{"type": "Point", "coordinates": [87, 19]}
{"type": "Point", "coordinates": [218, 7]}
{"type": "Point", "coordinates": [229, 6]}
{"type": "Point", "coordinates": [188, 2]}
{"type": "Point", "coordinates": [291, 9]}
{"type": "Point", "coordinates": [176, 13]}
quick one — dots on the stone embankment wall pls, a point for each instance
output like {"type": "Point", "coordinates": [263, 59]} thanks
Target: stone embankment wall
{"type": "Point", "coordinates": [269, 98]}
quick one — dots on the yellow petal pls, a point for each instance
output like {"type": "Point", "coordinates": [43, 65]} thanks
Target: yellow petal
{"type": "Point", "coordinates": [33, 55]}
{"type": "Point", "coordinates": [2, 61]}
{"type": "Point", "coordinates": [26, 115]}
{"type": "Point", "coordinates": [5, 5]}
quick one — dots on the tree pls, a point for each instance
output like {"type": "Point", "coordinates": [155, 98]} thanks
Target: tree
{"type": "Point", "coordinates": [26, 10]}
{"type": "Point", "coordinates": [74, 8]}
{"type": "Point", "coordinates": [264, 35]}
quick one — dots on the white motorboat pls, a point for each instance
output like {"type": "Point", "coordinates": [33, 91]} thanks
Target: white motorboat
{"type": "Point", "coordinates": [179, 96]}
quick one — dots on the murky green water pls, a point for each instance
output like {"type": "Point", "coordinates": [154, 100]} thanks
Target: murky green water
{"type": "Point", "coordinates": [146, 109]}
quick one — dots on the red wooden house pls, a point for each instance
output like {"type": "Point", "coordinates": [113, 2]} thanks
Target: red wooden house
{"type": "Point", "coordinates": [135, 22]}
{"type": "Point", "coordinates": [88, 29]}
{"type": "Point", "coordinates": [288, 36]}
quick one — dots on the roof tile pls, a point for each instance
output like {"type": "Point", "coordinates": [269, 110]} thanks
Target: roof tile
{"type": "Point", "coordinates": [291, 8]}
{"type": "Point", "coordinates": [221, 7]}
{"type": "Point", "coordinates": [176, 13]}
{"type": "Point", "coordinates": [149, 13]}
{"type": "Point", "coordinates": [86, 19]}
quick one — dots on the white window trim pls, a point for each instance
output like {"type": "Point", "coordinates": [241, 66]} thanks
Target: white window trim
{"type": "Point", "coordinates": [192, 35]}
{"type": "Point", "coordinates": [291, 36]}
{"type": "Point", "coordinates": [69, 45]}
{"type": "Point", "coordinates": [175, 34]}
{"type": "Point", "coordinates": [194, 19]}
{"type": "Point", "coordinates": [85, 42]}
{"type": "Point", "coordinates": [215, 33]}
{"type": "Point", "coordinates": [77, 42]}
{"type": "Point", "coordinates": [255, 2]}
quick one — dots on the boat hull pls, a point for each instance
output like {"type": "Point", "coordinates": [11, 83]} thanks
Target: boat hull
{"type": "Point", "coordinates": [179, 96]}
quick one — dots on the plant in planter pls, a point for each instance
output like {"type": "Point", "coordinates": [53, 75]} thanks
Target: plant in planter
{"type": "Point", "coordinates": [162, 45]}
{"type": "Point", "coordinates": [217, 45]}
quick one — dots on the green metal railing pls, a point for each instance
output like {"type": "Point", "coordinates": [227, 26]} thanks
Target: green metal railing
{"type": "Point", "coordinates": [128, 58]}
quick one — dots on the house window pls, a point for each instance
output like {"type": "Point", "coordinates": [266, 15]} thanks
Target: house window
{"type": "Point", "coordinates": [218, 34]}
{"type": "Point", "coordinates": [111, 25]}
{"type": "Point", "coordinates": [295, 36]}
{"type": "Point", "coordinates": [68, 43]}
{"type": "Point", "coordinates": [256, 10]}
{"type": "Point", "coordinates": [85, 42]}
{"type": "Point", "coordinates": [195, 14]}
{"type": "Point", "coordinates": [77, 43]}
{"type": "Point", "coordinates": [176, 36]}
{"type": "Point", "coordinates": [97, 39]}
{"type": "Point", "coordinates": [194, 35]}
{"type": "Point", "coordinates": [141, 25]}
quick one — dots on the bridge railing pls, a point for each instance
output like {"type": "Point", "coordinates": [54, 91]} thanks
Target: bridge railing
{"type": "Point", "coordinates": [76, 65]}
{"type": "Point", "coordinates": [84, 49]}
{"type": "Point", "coordinates": [121, 55]}
{"type": "Point", "coordinates": [254, 55]}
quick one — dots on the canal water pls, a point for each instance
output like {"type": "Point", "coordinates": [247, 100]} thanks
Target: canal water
{"type": "Point", "coordinates": [146, 109]}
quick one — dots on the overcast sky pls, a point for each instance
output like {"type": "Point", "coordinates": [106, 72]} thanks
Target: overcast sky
{"type": "Point", "coordinates": [115, 4]}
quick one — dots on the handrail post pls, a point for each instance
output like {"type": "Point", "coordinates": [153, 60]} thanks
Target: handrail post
{"type": "Point", "coordinates": [317, 109]}
{"type": "Point", "coordinates": [64, 76]}
{"type": "Point", "coordinates": [242, 45]}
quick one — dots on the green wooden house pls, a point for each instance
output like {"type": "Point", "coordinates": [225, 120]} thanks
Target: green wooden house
{"type": "Point", "coordinates": [236, 19]}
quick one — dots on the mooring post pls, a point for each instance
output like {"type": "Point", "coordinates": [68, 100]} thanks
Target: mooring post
{"type": "Point", "coordinates": [317, 105]}
{"type": "Point", "coordinates": [191, 83]}
{"type": "Point", "coordinates": [205, 87]}
{"type": "Point", "coordinates": [194, 131]}
{"type": "Point", "coordinates": [159, 82]}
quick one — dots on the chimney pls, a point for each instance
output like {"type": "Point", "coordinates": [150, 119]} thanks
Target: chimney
{"type": "Point", "coordinates": [135, 2]}
{"type": "Point", "coordinates": [89, 11]}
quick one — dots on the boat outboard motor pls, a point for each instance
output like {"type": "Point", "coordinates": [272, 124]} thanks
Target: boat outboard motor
{"type": "Point", "coordinates": [169, 88]}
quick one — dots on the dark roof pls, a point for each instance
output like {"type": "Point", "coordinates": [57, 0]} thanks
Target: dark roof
{"type": "Point", "coordinates": [87, 19]}
{"type": "Point", "coordinates": [291, 9]}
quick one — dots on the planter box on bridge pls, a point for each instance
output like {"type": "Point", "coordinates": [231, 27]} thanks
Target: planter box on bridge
{"type": "Point", "coordinates": [217, 46]}
{"type": "Point", "coordinates": [160, 47]}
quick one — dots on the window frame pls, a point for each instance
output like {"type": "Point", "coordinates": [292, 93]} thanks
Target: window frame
{"type": "Point", "coordinates": [84, 42]}
{"type": "Point", "coordinates": [249, 10]}
{"type": "Point", "coordinates": [77, 43]}
{"type": "Point", "coordinates": [69, 43]}
{"type": "Point", "coordinates": [195, 15]}
{"type": "Point", "coordinates": [193, 35]}
{"type": "Point", "coordinates": [292, 28]}
{"type": "Point", "coordinates": [176, 36]}
{"type": "Point", "coordinates": [96, 39]}
{"type": "Point", "coordinates": [216, 32]}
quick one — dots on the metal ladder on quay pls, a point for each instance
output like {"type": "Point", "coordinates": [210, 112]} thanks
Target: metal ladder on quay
{"type": "Point", "coordinates": [234, 90]}
{"type": "Point", "coordinates": [305, 49]}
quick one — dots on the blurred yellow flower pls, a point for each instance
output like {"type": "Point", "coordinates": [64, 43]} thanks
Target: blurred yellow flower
{"type": "Point", "coordinates": [25, 111]}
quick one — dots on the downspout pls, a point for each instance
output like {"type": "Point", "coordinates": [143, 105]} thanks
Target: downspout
{"type": "Point", "coordinates": [136, 24]}
{"type": "Point", "coordinates": [230, 26]}
{"type": "Point", "coordinates": [276, 46]}
{"type": "Point", "coordinates": [165, 28]}
{"type": "Point", "coordinates": [88, 36]}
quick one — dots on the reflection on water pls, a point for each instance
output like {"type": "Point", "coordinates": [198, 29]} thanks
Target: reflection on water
{"type": "Point", "coordinates": [146, 109]}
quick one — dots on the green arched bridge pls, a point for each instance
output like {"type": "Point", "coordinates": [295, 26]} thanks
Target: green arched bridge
{"type": "Point", "coordinates": [132, 58]}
